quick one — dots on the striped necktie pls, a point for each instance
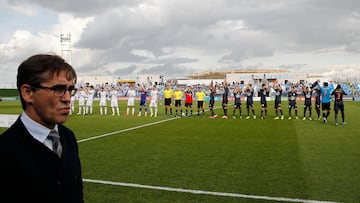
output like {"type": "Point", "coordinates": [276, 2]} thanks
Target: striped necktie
{"type": "Point", "coordinates": [55, 139]}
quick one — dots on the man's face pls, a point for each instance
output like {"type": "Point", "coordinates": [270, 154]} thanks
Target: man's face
{"type": "Point", "coordinates": [46, 108]}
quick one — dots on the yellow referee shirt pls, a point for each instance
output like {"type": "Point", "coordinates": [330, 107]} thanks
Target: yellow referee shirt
{"type": "Point", "coordinates": [200, 96]}
{"type": "Point", "coordinates": [168, 93]}
{"type": "Point", "coordinates": [178, 94]}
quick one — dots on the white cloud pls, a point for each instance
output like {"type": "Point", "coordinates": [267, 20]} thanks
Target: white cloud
{"type": "Point", "coordinates": [25, 10]}
{"type": "Point", "coordinates": [140, 36]}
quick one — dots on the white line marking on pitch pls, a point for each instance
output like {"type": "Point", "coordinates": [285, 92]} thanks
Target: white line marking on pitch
{"type": "Point", "coordinates": [125, 130]}
{"type": "Point", "coordinates": [201, 192]}
{"type": "Point", "coordinates": [129, 129]}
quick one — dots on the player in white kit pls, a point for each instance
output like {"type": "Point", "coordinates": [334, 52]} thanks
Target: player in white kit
{"type": "Point", "coordinates": [81, 97]}
{"type": "Point", "coordinates": [90, 100]}
{"type": "Point", "coordinates": [131, 93]}
{"type": "Point", "coordinates": [114, 101]}
{"type": "Point", "coordinates": [154, 94]}
{"type": "Point", "coordinates": [103, 104]}
{"type": "Point", "coordinates": [72, 104]}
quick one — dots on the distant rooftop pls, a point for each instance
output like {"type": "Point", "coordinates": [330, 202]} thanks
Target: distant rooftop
{"type": "Point", "coordinates": [221, 74]}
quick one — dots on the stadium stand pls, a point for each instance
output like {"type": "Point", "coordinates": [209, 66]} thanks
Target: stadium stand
{"type": "Point", "coordinates": [347, 89]}
{"type": "Point", "coordinates": [357, 88]}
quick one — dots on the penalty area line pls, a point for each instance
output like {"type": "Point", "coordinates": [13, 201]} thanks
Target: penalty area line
{"type": "Point", "coordinates": [202, 192]}
{"type": "Point", "coordinates": [125, 130]}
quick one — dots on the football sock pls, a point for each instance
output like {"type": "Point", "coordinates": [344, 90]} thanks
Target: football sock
{"type": "Point", "coordinates": [336, 118]}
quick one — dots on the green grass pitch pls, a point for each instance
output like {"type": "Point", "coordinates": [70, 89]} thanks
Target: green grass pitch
{"type": "Point", "coordinates": [294, 159]}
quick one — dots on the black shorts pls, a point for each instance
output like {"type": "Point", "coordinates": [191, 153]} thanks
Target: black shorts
{"type": "Point", "coordinates": [264, 104]}
{"type": "Point", "coordinates": [307, 103]}
{"type": "Point", "coordinates": [167, 101]}
{"type": "Point", "coordinates": [338, 106]}
{"type": "Point", "coordinates": [326, 106]}
{"type": "Point", "coordinates": [277, 104]}
{"type": "Point", "coordinates": [292, 104]}
{"type": "Point", "coordinates": [249, 105]}
{"type": "Point", "coordinates": [237, 106]}
{"type": "Point", "coordinates": [177, 103]}
{"type": "Point", "coordinates": [200, 104]}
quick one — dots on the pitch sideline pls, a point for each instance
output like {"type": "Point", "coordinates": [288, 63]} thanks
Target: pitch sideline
{"type": "Point", "coordinates": [202, 192]}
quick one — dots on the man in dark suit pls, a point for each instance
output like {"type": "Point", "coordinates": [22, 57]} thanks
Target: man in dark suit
{"type": "Point", "coordinates": [38, 155]}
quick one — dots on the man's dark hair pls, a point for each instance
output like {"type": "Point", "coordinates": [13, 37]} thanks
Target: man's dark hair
{"type": "Point", "coordinates": [41, 68]}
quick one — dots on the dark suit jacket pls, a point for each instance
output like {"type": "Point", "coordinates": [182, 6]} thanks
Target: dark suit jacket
{"type": "Point", "coordinates": [31, 172]}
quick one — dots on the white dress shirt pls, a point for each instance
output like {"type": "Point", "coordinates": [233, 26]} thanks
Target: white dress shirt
{"type": "Point", "coordinates": [38, 131]}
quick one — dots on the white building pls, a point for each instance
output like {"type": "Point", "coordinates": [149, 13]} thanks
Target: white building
{"type": "Point", "coordinates": [150, 80]}
{"type": "Point", "coordinates": [194, 82]}
{"type": "Point", "coordinates": [259, 77]}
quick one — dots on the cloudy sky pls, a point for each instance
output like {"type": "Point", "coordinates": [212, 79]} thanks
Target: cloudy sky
{"type": "Point", "coordinates": [125, 38]}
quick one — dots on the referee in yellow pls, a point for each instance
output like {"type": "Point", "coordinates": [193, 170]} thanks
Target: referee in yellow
{"type": "Point", "coordinates": [168, 93]}
{"type": "Point", "coordinates": [200, 97]}
{"type": "Point", "coordinates": [178, 95]}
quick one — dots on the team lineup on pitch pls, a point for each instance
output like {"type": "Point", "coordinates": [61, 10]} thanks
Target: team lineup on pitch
{"type": "Point", "coordinates": [321, 95]}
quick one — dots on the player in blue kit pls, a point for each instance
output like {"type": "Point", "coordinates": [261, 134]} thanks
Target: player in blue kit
{"type": "Point", "coordinates": [325, 91]}
{"type": "Point", "coordinates": [143, 95]}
